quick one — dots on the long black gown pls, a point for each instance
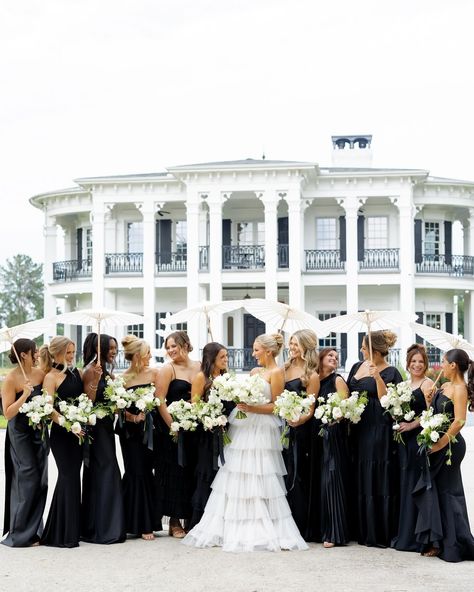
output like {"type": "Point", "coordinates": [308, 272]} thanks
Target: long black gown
{"type": "Point", "coordinates": [63, 524]}
{"type": "Point", "coordinates": [334, 475]}
{"type": "Point", "coordinates": [102, 515]}
{"type": "Point", "coordinates": [26, 480]}
{"type": "Point", "coordinates": [137, 480]}
{"type": "Point", "coordinates": [375, 458]}
{"type": "Point", "coordinates": [175, 484]}
{"type": "Point", "coordinates": [300, 458]}
{"type": "Point", "coordinates": [410, 468]}
{"type": "Point", "coordinates": [443, 521]}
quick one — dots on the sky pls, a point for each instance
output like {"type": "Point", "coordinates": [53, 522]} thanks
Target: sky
{"type": "Point", "coordinates": [99, 87]}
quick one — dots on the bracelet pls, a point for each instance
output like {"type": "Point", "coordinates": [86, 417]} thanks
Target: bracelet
{"type": "Point", "coordinates": [93, 388]}
{"type": "Point", "coordinates": [134, 419]}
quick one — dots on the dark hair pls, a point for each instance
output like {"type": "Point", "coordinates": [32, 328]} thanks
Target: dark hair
{"type": "Point", "coordinates": [464, 364]}
{"type": "Point", "coordinates": [209, 355]}
{"type": "Point", "coordinates": [323, 353]}
{"type": "Point", "coordinates": [417, 348]}
{"type": "Point", "coordinates": [181, 339]}
{"type": "Point", "coordinates": [381, 341]}
{"type": "Point", "coordinates": [22, 346]}
{"type": "Point", "coordinates": [89, 350]}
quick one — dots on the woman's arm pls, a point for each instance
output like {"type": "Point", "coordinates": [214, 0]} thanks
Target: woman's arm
{"type": "Point", "coordinates": [460, 408]}
{"type": "Point", "coordinates": [379, 382]}
{"type": "Point", "coordinates": [197, 387]}
{"type": "Point", "coordinates": [341, 387]}
{"type": "Point", "coordinates": [163, 382]}
{"type": "Point", "coordinates": [90, 380]}
{"type": "Point", "coordinates": [50, 386]}
{"type": "Point", "coordinates": [10, 406]}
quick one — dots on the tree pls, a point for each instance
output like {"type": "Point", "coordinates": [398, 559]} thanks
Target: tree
{"type": "Point", "coordinates": [21, 297]}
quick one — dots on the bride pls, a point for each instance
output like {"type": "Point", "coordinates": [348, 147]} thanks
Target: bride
{"type": "Point", "coordinates": [247, 509]}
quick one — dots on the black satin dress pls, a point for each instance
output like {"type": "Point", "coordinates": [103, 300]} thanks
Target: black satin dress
{"type": "Point", "coordinates": [375, 465]}
{"type": "Point", "coordinates": [410, 467]}
{"type": "Point", "coordinates": [63, 524]}
{"type": "Point", "coordinates": [137, 480]}
{"type": "Point", "coordinates": [102, 516]}
{"type": "Point", "coordinates": [299, 457]}
{"type": "Point", "coordinates": [443, 521]}
{"type": "Point", "coordinates": [26, 480]}
{"type": "Point", "coordinates": [175, 483]}
{"type": "Point", "coordinates": [334, 475]}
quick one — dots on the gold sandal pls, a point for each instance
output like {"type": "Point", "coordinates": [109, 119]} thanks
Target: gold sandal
{"type": "Point", "coordinates": [176, 531]}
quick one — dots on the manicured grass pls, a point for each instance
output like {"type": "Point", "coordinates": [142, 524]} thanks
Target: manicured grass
{"type": "Point", "coordinates": [3, 422]}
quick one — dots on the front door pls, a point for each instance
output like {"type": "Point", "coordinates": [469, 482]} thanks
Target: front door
{"type": "Point", "coordinates": [252, 328]}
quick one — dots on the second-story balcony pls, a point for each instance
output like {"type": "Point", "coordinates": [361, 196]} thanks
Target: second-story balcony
{"type": "Point", "coordinates": [171, 261]}
{"type": "Point", "coordinates": [453, 265]}
{"type": "Point", "coordinates": [123, 263]}
{"type": "Point", "coordinates": [324, 260]}
{"type": "Point", "coordinates": [380, 259]}
{"type": "Point", "coordinates": [243, 257]}
{"type": "Point", "coordinates": [73, 269]}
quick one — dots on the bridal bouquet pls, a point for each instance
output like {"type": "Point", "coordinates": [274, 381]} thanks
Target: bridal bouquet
{"type": "Point", "coordinates": [38, 410]}
{"type": "Point", "coordinates": [434, 425]}
{"type": "Point", "coordinates": [250, 390]}
{"type": "Point", "coordinates": [185, 418]}
{"type": "Point", "coordinates": [290, 406]}
{"type": "Point", "coordinates": [211, 415]}
{"type": "Point", "coordinates": [336, 407]}
{"type": "Point", "coordinates": [224, 386]}
{"type": "Point", "coordinates": [397, 402]}
{"type": "Point", "coordinates": [75, 417]}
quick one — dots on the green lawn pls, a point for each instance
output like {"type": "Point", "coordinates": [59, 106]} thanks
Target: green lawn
{"type": "Point", "coordinates": [3, 422]}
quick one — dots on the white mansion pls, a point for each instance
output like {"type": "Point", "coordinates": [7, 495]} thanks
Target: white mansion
{"type": "Point", "coordinates": [328, 240]}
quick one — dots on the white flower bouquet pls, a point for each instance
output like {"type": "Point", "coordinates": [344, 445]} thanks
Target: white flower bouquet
{"type": "Point", "coordinates": [185, 418]}
{"type": "Point", "coordinates": [38, 410]}
{"type": "Point", "coordinates": [211, 415]}
{"type": "Point", "coordinates": [290, 406]}
{"type": "Point", "coordinates": [335, 407]}
{"type": "Point", "coordinates": [250, 390]}
{"type": "Point", "coordinates": [397, 402]}
{"type": "Point", "coordinates": [434, 425]}
{"type": "Point", "coordinates": [75, 417]}
{"type": "Point", "coordinates": [144, 398]}
{"type": "Point", "coordinates": [118, 397]}
{"type": "Point", "coordinates": [224, 386]}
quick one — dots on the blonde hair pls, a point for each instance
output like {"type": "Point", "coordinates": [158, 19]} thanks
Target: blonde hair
{"type": "Point", "coordinates": [381, 341]}
{"type": "Point", "coordinates": [307, 341]}
{"type": "Point", "coordinates": [133, 345]}
{"type": "Point", "coordinates": [48, 353]}
{"type": "Point", "coordinates": [272, 342]}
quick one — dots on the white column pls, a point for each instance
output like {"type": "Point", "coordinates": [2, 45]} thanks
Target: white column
{"type": "Point", "coordinates": [295, 246]}
{"type": "Point", "coordinates": [351, 207]}
{"type": "Point", "coordinates": [193, 294]}
{"type": "Point", "coordinates": [98, 251]}
{"type": "Point", "coordinates": [215, 255]}
{"type": "Point", "coordinates": [407, 267]}
{"type": "Point", "coordinates": [271, 240]}
{"type": "Point", "coordinates": [469, 234]}
{"type": "Point", "coordinates": [148, 208]}
{"type": "Point", "coordinates": [50, 232]}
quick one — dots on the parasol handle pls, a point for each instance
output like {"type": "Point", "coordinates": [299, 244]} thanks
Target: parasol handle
{"type": "Point", "coordinates": [369, 339]}
{"type": "Point", "coordinates": [98, 342]}
{"type": "Point", "coordinates": [19, 362]}
{"type": "Point", "coordinates": [433, 388]}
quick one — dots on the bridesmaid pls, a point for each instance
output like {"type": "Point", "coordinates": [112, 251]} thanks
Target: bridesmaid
{"type": "Point", "coordinates": [64, 383]}
{"type": "Point", "coordinates": [26, 454]}
{"type": "Point", "coordinates": [442, 527]}
{"type": "Point", "coordinates": [175, 484]}
{"type": "Point", "coordinates": [304, 451]}
{"type": "Point", "coordinates": [137, 481]}
{"type": "Point", "coordinates": [214, 363]}
{"type": "Point", "coordinates": [335, 460]}
{"type": "Point", "coordinates": [410, 460]}
{"type": "Point", "coordinates": [376, 460]}
{"type": "Point", "coordinates": [102, 515]}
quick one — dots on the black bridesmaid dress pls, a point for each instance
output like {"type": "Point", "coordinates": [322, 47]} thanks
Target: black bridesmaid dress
{"type": "Point", "coordinates": [410, 467]}
{"type": "Point", "coordinates": [299, 457]}
{"type": "Point", "coordinates": [443, 521]}
{"type": "Point", "coordinates": [376, 465]}
{"type": "Point", "coordinates": [175, 473]}
{"type": "Point", "coordinates": [102, 514]}
{"type": "Point", "coordinates": [137, 481]}
{"type": "Point", "coordinates": [334, 476]}
{"type": "Point", "coordinates": [26, 480]}
{"type": "Point", "coordinates": [63, 524]}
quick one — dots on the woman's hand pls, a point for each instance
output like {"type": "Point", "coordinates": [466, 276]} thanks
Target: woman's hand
{"type": "Point", "coordinates": [244, 407]}
{"type": "Point", "coordinates": [27, 389]}
{"type": "Point", "coordinates": [373, 372]}
{"type": "Point", "coordinates": [136, 418]}
{"type": "Point", "coordinates": [407, 426]}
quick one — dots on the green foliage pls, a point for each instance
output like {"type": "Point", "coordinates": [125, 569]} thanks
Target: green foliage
{"type": "Point", "coordinates": [21, 296]}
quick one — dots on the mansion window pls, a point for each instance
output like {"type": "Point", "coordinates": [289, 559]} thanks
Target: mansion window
{"type": "Point", "coordinates": [136, 330]}
{"type": "Point", "coordinates": [88, 245]}
{"type": "Point", "coordinates": [432, 238]}
{"type": "Point", "coordinates": [181, 237]}
{"type": "Point", "coordinates": [326, 234]}
{"type": "Point", "coordinates": [331, 339]}
{"type": "Point", "coordinates": [134, 237]}
{"type": "Point", "coordinates": [251, 233]}
{"type": "Point", "coordinates": [433, 319]}
{"type": "Point", "coordinates": [377, 232]}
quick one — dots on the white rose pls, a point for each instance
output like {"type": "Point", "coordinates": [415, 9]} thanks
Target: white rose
{"type": "Point", "coordinates": [409, 416]}
{"type": "Point", "coordinates": [174, 427]}
{"type": "Point", "coordinates": [141, 404]}
{"type": "Point", "coordinates": [336, 413]}
{"type": "Point", "coordinates": [48, 409]}
{"type": "Point", "coordinates": [434, 436]}
{"type": "Point", "coordinates": [121, 403]}
{"type": "Point", "coordinates": [92, 419]}
{"type": "Point", "coordinates": [76, 428]}
{"type": "Point", "coordinates": [35, 417]}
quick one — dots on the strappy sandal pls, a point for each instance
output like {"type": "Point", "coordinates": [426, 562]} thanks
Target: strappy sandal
{"type": "Point", "coordinates": [176, 531]}
{"type": "Point", "coordinates": [433, 552]}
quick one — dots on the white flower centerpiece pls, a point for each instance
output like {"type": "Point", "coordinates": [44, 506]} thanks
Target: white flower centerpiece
{"type": "Point", "coordinates": [336, 407]}
{"type": "Point", "coordinates": [397, 402]}
{"type": "Point", "coordinates": [290, 406]}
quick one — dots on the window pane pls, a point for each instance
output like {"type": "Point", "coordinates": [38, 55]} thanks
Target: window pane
{"type": "Point", "coordinates": [331, 339]}
{"type": "Point", "coordinates": [135, 237]}
{"type": "Point", "coordinates": [433, 319]}
{"type": "Point", "coordinates": [377, 235]}
{"type": "Point", "coordinates": [432, 238]}
{"type": "Point", "coordinates": [326, 234]}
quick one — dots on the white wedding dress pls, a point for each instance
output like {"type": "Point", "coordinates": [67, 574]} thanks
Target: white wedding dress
{"type": "Point", "coordinates": [247, 509]}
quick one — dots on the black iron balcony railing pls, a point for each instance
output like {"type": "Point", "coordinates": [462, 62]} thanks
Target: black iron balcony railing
{"type": "Point", "coordinates": [171, 261]}
{"type": "Point", "coordinates": [204, 258]}
{"type": "Point", "coordinates": [380, 259]}
{"type": "Point", "coordinates": [453, 265]}
{"type": "Point", "coordinates": [123, 263]}
{"type": "Point", "coordinates": [283, 257]}
{"type": "Point", "coordinates": [243, 257]}
{"type": "Point", "coordinates": [72, 270]}
{"type": "Point", "coordinates": [324, 260]}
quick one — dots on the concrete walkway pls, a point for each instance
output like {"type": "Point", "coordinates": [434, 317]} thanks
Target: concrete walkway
{"type": "Point", "coordinates": [165, 565]}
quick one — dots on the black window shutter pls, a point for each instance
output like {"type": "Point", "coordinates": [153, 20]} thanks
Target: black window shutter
{"type": "Point", "coordinates": [226, 232]}
{"type": "Point", "coordinates": [165, 241]}
{"type": "Point", "coordinates": [342, 239]}
{"type": "Point", "coordinates": [419, 339]}
{"type": "Point", "coordinates": [79, 248]}
{"type": "Point", "coordinates": [418, 244]}
{"type": "Point", "coordinates": [449, 322]}
{"type": "Point", "coordinates": [360, 238]}
{"type": "Point", "coordinates": [343, 356]}
{"type": "Point", "coordinates": [448, 242]}
{"type": "Point", "coordinates": [283, 231]}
